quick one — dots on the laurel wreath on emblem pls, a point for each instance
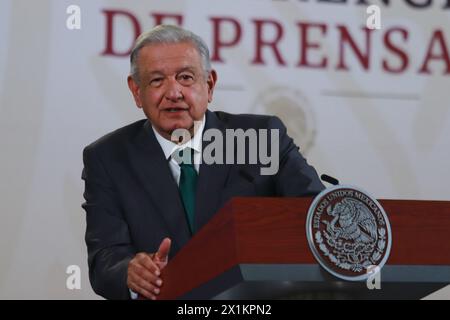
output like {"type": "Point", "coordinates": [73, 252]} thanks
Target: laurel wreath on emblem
{"type": "Point", "coordinates": [357, 243]}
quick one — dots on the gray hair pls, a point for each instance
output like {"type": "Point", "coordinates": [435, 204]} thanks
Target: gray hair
{"type": "Point", "coordinates": [164, 34]}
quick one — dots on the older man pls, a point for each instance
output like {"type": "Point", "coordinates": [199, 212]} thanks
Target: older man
{"type": "Point", "coordinates": [142, 203]}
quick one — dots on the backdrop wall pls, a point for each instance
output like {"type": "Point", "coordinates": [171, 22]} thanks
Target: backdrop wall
{"type": "Point", "coordinates": [368, 107]}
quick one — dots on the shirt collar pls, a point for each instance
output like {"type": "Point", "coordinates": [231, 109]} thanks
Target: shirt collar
{"type": "Point", "coordinates": [170, 147]}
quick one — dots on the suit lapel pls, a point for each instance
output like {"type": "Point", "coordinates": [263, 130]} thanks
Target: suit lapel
{"type": "Point", "coordinates": [162, 189]}
{"type": "Point", "coordinates": [159, 184]}
{"type": "Point", "coordinates": [211, 180]}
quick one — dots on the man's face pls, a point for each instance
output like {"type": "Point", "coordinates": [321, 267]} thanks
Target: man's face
{"type": "Point", "coordinates": [173, 90]}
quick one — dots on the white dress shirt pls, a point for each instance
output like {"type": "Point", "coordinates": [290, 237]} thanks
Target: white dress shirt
{"type": "Point", "coordinates": [169, 148]}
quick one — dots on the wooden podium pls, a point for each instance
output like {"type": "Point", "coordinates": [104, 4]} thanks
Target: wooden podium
{"type": "Point", "coordinates": [256, 248]}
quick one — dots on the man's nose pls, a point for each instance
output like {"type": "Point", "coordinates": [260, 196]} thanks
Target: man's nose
{"type": "Point", "coordinates": [174, 90]}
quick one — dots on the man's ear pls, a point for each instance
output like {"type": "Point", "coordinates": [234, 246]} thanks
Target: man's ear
{"type": "Point", "coordinates": [135, 91]}
{"type": "Point", "coordinates": [211, 81]}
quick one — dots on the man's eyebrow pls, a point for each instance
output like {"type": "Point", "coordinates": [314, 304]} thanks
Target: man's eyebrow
{"type": "Point", "coordinates": [187, 68]}
{"type": "Point", "coordinates": [153, 73]}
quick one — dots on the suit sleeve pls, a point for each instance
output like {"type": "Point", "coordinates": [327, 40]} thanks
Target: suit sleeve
{"type": "Point", "coordinates": [295, 177]}
{"type": "Point", "coordinates": [107, 237]}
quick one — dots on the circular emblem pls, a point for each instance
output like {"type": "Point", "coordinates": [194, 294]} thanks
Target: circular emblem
{"type": "Point", "coordinates": [291, 106]}
{"type": "Point", "coordinates": [348, 232]}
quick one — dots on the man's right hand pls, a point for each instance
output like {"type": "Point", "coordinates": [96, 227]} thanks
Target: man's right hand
{"type": "Point", "coordinates": [144, 271]}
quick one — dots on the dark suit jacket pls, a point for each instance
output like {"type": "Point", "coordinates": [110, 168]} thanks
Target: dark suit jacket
{"type": "Point", "coordinates": [132, 200]}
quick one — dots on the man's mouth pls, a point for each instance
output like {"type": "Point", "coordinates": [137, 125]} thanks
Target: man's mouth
{"type": "Point", "coordinates": [173, 110]}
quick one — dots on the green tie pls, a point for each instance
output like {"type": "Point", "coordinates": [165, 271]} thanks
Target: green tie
{"type": "Point", "coordinates": [188, 186]}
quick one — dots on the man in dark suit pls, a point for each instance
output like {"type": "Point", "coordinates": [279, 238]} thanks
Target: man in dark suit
{"type": "Point", "coordinates": [143, 200]}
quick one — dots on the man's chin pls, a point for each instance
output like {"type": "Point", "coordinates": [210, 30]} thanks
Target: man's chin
{"type": "Point", "coordinates": [180, 133]}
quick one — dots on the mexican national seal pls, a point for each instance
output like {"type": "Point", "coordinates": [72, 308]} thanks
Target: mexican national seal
{"type": "Point", "coordinates": [348, 232]}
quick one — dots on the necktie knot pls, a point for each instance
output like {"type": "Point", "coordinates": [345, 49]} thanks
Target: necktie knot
{"type": "Point", "coordinates": [184, 156]}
